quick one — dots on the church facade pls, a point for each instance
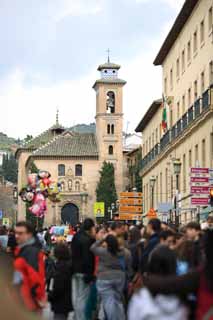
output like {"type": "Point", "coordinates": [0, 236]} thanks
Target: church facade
{"type": "Point", "coordinates": [75, 159]}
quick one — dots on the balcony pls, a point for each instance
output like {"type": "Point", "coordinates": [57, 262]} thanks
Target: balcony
{"type": "Point", "coordinates": [194, 112]}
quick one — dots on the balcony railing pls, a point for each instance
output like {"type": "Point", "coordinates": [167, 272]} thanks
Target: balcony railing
{"type": "Point", "coordinates": [193, 112]}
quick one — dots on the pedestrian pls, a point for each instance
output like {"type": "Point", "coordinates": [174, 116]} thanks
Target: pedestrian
{"type": "Point", "coordinates": [83, 266]}
{"type": "Point", "coordinates": [143, 305]}
{"type": "Point", "coordinates": [60, 294]}
{"type": "Point", "coordinates": [29, 269]}
{"type": "Point", "coordinates": [133, 246]}
{"type": "Point", "coordinates": [167, 238]}
{"type": "Point", "coordinates": [110, 276]}
{"type": "Point", "coordinates": [11, 243]}
{"type": "Point", "coordinates": [193, 233]}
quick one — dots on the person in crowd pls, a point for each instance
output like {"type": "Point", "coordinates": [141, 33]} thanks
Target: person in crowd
{"type": "Point", "coordinates": [153, 230]}
{"type": "Point", "coordinates": [185, 257]}
{"type": "Point", "coordinates": [11, 243]}
{"type": "Point", "coordinates": [110, 276]}
{"type": "Point", "coordinates": [49, 268]}
{"type": "Point", "coordinates": [83, 266]}
{"type": "Point", "coordinates": [143, 305]}
{"type": "Point", "coordinates": [48, 239]}
{"type": "Point", "coordinates": [29, 269]}
{"type": "Point", "coordinates": [198, 282]}
{"type": "Point", "coordinates": [193, 233]}
{"type": "Point", "coordinates": [60, 294]}
{"type": "Point", "coordinates": [116, 228]}
{"type": "Point", "coordinates": [167, 238]}
{"type": "Point", "coordinates": [133, 246]}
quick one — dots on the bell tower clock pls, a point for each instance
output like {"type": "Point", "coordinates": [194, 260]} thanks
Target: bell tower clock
{"type": "Point", "coordinates": [109, 118]}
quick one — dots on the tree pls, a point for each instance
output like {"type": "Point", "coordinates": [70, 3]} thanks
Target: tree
{"type": "Point", "coordinates": [106, 191]}
{"type": "Point", "coordinates": [10, 168]}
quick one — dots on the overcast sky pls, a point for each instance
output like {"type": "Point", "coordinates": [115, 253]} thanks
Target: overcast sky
{"type": "Point", "coordinates": [50, 50]}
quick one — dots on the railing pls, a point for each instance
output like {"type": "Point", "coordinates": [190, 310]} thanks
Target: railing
{"type": "Point", "coordinates": [193, 112]}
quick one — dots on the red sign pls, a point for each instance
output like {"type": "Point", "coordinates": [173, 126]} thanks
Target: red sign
{"type": "Point", "coordinates": [199, 170]}
{"type": "Point", "coordinates": [199, 190]}
{"type": "Point", "coordinates": [200, 201]}
{"type": "Point", "coordinates": [200, 179]}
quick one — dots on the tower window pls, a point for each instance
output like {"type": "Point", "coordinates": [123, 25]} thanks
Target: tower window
{"type": "Point", "coordinates": [111, 150]}
{"type": "Point", "coordinates": [110, 103]}
{"type": "Point", "coordinates": [112, 129]}
{"type": "Point", "coordinates": [61, 170]}
{"type": "Point", "coordinates": [108, 129]}
{"type": "Point", "coordinates": [78, 170]}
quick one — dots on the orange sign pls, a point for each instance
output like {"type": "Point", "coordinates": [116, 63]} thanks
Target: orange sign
{"type": "Point", "coordinates": [131, 201]}
{"type": "Point", "coordinates": [131, 209]}
{"type": "Point", "coordinates": [126, 216]}
{"type": "Point", "coordinates": [131, 194]}
{"type": "Point", "coordinates": [152, 214]}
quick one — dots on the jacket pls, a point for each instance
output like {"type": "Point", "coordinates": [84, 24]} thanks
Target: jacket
{"type": "Point", "coordinates": [83, 260]}
{"type": "Point", "coordinates": [152, 243]}
{"type": "Point", "coordinates": [30, 275]}
{"type": "Point", "coordinates": [60, 295]}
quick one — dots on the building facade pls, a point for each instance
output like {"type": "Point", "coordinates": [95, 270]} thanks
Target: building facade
{"type": "Point", "coordinates": [186, 57]}
{"type": "Point", "coordinates": [75, 159]}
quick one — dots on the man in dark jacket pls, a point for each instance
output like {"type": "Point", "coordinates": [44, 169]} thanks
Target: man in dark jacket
{"type": "Point", "coordinates": [83, 265]}
{"type": "Point", "coordinates": [29, 271]}
{"type": "Point", "coordinates": [153, 230]}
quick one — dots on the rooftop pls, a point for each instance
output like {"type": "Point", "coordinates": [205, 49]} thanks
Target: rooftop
{"type": "Point", "coordinates": [178, 25]}
{"type": "Point", "coordinates": [109, 65]}
{"type": "Point", "coordinates": [148, 115]}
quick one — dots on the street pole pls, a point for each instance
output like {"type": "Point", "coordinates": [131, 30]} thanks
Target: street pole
{"type": "Point", "coordinates": [152, 197]}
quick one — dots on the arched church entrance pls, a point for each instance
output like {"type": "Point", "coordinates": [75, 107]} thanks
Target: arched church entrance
{"type": "Point", "coordinates": [70, 214]}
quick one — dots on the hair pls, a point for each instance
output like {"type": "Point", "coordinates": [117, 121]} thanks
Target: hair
{"type": "Point", "coordinates": [155, 224]}
{"type": "Point", "coordinates": [134, 235]}
{"type": "Point", "coordinates": [208, 245]}
{"type": "Point", "coordinates": [61, 252]}
{"type": "Point", "coordinates": [166, 234]}
{"type": "Point", "coordinates": [116, 225]}
{"type": "Point", "coordinates": [162, 261]}
{"type": "Point", "coordinates": [88, 224]}
{"type": "Point", "coordinates": [112, 244]}
{"type": "Point", "coordinates": [185, 251]}
{"type": "Point", "coordinates": [193, 225]}
{"type": "Point", "coordinates": [27, 225]}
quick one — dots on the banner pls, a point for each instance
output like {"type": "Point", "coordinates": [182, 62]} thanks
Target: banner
{"type": "Point", "coordinates": [99, 208]}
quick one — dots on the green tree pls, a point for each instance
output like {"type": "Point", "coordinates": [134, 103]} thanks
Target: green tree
{"type": "Point", "coordinates": [106, 191]}
{"type": "Point", "coordinates": [10, 168]}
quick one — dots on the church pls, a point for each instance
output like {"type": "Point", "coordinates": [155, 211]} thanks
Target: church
{"type": "Point", "coordinates": [75, 159]}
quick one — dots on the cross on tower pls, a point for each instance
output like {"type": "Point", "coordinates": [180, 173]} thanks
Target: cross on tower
{"type": "Point", "coordinates": [108, 52]}
{"type": "Point", "coordinates": [57, 116]}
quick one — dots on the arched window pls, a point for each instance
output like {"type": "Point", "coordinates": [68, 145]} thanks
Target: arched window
{"type": "Point", "coordinates": [110, 150]}
{"type": "Point", "coordinates": [77, 186]}
{"type": "Point", "coordinates": [110, 103]}
{"type": "Point", "coordinates": [78, 170]}
{"type": "Point", "coordinates": [108, 129]}
{"type": "Point", "coordinates": [112, 129]}
{"type": "Point", "coordinates": [61, 170]}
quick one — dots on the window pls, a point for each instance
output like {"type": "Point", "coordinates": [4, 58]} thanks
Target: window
{"type": "Point", "coordinates": [153, 139]}
{"type": "Point", "coordinates": [171, 118]}
{"type": "Point", "coordinates": [202, 79]}
{"type": "Point", "coordinates": [195, 90]}
{"type": "Point", "coordinates": [203, 153]}
{"type": "Point", "coordinates": [184, 173]}
{"type": "Point", "coordinates": [108, 129]}
{"type": "Point", "coordinates": [156, 135]}
{"type": "Point", "coordinates": [189, 97]}
{"type": "Point", "coordinates": [110, 102]}
{"type": "Point", "coordinates": [178, 110]}
{"type": "Point", "coordinates": [110, 150]}
{"type": "Point", "coordinates": [211, 72]}
{"type": "Point", "coordinates": [166, 183]}
{"type": "Point", "coordinates": [178, 68]}
{"type": "Point", "coordinates": [78, 170]}
{"type": "Point", "coordinates": [210, 19]}
{"type": "Point", "coordinates": [190, 158]}
{"type": "Point", "coordinates": [150, 146]}
{"type": "Point", "coordinates": [183, 104]}
{"type": "Point", "coordinates": [61, 170]}
{"type": "Point", "coordinates": [165, 86]}
{"type": "Point", "coordinates": [189, 51]}
{"type": "Point", "coordinates": [196, 156]}
{"type": "Point", "coordinates": [195, 42]}
{"type": "Point", "coordinates": [183, 60]}
{"type": "Point", "coordinates": [112, 129]}
{"type": "Point", "coordinates": [171, 79]}
{"type": "Point", "coordinates": [202, 32]}
{"type": "Point", "coordinates": [77, 186]}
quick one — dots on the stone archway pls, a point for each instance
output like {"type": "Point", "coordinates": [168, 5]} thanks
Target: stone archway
{"type": "Point", "coordinates": [70, 214]}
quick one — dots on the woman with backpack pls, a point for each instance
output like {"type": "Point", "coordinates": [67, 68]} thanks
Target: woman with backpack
{"type": "Point", "coordinates": [110, 276]}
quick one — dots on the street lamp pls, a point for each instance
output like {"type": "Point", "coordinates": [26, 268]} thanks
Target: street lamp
{"type": "Point", "coordinates": [152, 185]}
{"type": "Point", "coordinates": [177, 170]}
{"type": "Point", "coordinates": [15, 198]}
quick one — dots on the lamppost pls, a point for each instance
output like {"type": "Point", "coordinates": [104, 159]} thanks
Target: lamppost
{"type": "Point", "coordinates": [177, 170]}
{"type": "Point", "coordinates": [15, 198]}
{"type": "Point", "coordinates": [152, 185]}
{"type": "Point", "coordinates": [110, 210]}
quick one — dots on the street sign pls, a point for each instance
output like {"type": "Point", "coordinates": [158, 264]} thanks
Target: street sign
{"type": "Point", "coordinates": [131, 194]}
{"type": "Point", "coordinates": [131, 201]}
{"type": "Point", "coordinates": [126, 216]}
{"type": "Point", "coordinates": [200, 201]}
{"type": "Point", "coordinates": [199, 179]}
{"type": "Point", "coordinates": [151, 214]}
{"type": "Point", "coordinates": [200, 170]}
{"type": "Point", "coordinates": [99, 208]}
{"type": "Point", "coordinates": [200, 189]}
{"type": "Point", "coordinates": [1, 214]}
{"type": "Point", "coordinates": [130, 209]}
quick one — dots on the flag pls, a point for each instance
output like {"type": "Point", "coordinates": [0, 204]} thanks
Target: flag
{"type": "Point", "coordinates": [164, 123]}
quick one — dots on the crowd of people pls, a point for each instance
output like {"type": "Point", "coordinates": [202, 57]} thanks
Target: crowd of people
{"type": "Point", "coordinates": [115, 271]}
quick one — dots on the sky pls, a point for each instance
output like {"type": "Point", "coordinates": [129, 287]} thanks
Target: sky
{"type": "Point", "coordinates": [50, 51]}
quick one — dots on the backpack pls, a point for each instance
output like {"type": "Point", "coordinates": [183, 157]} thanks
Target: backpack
{"type": "Point", "coordinates": [204, 301]}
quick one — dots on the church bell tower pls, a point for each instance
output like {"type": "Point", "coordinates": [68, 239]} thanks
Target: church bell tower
{"type": "Point", "coordinates": [109, 118]}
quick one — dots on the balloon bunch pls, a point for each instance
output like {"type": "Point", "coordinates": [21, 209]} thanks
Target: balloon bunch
{"type": "Point", "coordinates": [39, 188]}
